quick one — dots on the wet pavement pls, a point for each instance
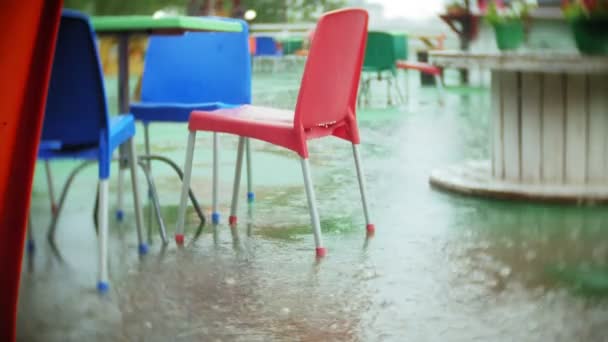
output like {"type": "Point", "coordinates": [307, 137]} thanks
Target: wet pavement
{"type": "Point", "coordinates": [441, 267]}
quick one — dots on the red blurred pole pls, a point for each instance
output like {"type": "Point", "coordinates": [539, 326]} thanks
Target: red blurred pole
{"type": "Point", "coordinates": [30, 31]}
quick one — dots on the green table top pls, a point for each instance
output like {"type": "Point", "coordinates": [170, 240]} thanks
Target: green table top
{"type": "Point", "coordinates": [149, 24]}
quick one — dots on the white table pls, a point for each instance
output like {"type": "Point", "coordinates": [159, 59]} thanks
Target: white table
{"type": "Point", "coordinates": [549, 131]}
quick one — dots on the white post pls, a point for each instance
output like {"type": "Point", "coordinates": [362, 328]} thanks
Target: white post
{"type": "Point", "coordinates": [102, 218]}
{"type": "Point", "coordinates": [183, 200]}
{"type": "Point", "coordinates": [312, 206]}
{"type": "Point", "coordinates": [237, 180]}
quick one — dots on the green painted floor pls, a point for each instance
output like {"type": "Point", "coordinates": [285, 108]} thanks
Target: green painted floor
{"type": "Point", "coordinates": [441, 267]}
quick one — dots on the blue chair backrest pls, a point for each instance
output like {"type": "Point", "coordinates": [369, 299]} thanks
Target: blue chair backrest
{"type": "Point", "coordinates": [76, 112]}
{"type": "Point", "coordinates": [265, 46]}
{"type": "Point", "coordinates": [198, 67]}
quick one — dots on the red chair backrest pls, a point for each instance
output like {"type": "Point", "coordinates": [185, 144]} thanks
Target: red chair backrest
{"type": "Point", "coordinates": [28, 39]}
{"type": "Point", "coordinates": [328, 92]}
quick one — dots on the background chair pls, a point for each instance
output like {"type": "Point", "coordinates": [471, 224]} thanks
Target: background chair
{"type": "Point", "coordinates": [384, 54]}
{"type": "Point", "coordinates": [290, 46]}
{"type": "Point", "coordinates": [325, 107]}
{"type": "Point", "coordinates": [379, 63]}
{"type": "Point", "coordinates": [402, 63]}
{"type": "Point", "coordinates": [77, 124]}
{"type": "Point", "coordinates": [195, 71]}
{"type": "Point", "coordinates": [267, 49]}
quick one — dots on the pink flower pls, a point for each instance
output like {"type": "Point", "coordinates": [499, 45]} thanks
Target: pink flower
{"type": "Point", "coordinates": [589, 5]}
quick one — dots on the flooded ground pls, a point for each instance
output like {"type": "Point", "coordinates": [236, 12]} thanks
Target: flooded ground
{"type": "Point", "coordinates": [441, 267]}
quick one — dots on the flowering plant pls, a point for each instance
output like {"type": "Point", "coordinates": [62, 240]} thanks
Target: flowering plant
{"type": "Point", "coordinates": [517, 10]}
{"type": "Point", "coordinates": [578, 9]}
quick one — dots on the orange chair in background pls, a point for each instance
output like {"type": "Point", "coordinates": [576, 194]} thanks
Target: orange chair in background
{"type": "Point", "coordinates": [252, 45]}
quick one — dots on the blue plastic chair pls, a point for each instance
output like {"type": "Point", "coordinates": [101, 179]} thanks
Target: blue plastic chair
{"type": "Point", "coordinates": [266, 49]}
{"type": "Point", "coordinates": [194, 71]}
{"type": "Point", "coordinates": [77, 124]}
{"type": "Point", "coordinates": [266, 46]}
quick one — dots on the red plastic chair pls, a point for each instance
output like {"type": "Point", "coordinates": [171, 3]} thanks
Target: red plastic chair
{"type": "Point", "coordinates": [424, 68]}
{"type": "Point", "coordinates": [30, 29]}
{"type": "Point", "coordinates": [325, 107]}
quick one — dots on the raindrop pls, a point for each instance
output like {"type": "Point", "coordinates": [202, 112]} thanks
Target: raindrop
{"type": "Point", "coordinates": [505, 272]}
{"type": "Point", "coordinates": [230, 281]}
{"type": "Point", "coordinates": [285, 311]}
{"type": "Point", "coordinates": [148, 325]}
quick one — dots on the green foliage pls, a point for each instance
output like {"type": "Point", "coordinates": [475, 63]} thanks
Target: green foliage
{"type": "Point", "coordinates": [456, 4]}
{"type": "Point", "coordinates": [518, 10]}
{"type": "Point", "coordinates": [579, 9]}
{"type": "Point", "coordinates": [124, 7]}
{"type": "Point", "coordinates": [273, 11]}
{"type": "Point", "coordinates": [268, 11]}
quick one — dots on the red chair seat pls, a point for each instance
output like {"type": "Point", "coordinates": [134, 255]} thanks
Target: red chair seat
{"type": "Point", "coordinates": [269, 124]}
{"type": "Point", "coordinates": [422, 67]}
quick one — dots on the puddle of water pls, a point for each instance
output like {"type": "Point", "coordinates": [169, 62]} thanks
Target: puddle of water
{"type": "Point", "coordinates": [441, 267]}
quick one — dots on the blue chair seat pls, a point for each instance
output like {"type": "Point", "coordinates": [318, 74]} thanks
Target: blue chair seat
{"type": "Point", "coordinates": [172, 112]}
{"type": "Point", "coordinates": [122, 127]}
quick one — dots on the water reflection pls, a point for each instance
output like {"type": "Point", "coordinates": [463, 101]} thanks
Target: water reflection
{"type": "Point", "coordinates": [440, 266]}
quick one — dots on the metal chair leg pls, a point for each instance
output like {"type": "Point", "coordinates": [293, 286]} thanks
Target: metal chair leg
{"type": "Point", "coordinates": [148, 172]}
{"type": "Point", "coordinates": [388, 90]}
{"type": "Point", "coordinates": [180, 174]}
{"type": "Point", "coordinates": [102, 216]}
{"type": "Point", "coordinates": [51, 187]}
{"type": "Point", "coordinates": [398, 89]}
{"type": "Point", "coordinates": [181, 212]}
{"type": "Point", "coordinates": [312, 206]}
{"type": "Point", "coordinates": [215, 215]}
{"type": "Point", "coordinates": [142, 247]}
{"type": "Point", "coordinates": [120, 214]}
{"type": "Point", "coordinates": [31, 243]}
{"type": "Point", "coordinates": [369, 226]}
{"type": "Point", "coordinates": [155, 202]}
{"type": "Point", "coordinates": [407, 86]}
{"type": "Point", "coordinates": [250, 193]}
{"type": "Point", "coordinates": [440, 92]}
{"type": "Point", "coordinates": [368, 91]}
{"type": "Point", "coordinates": [237, 181]}
{"type": "Point", "coordinates": [62, 197]}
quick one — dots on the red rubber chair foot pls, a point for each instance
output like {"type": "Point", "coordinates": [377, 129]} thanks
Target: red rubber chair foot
{"type": "Point", "coordinates": [232, 220]}
{"type": "Point", "coordinates": [371, 228]}
{"type": "Point", "coordinates": [321, 252]}
{"type": "Point", "coordinates": [179, 239]}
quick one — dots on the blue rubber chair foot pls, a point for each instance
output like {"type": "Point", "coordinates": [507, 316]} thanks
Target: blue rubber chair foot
{"type": "Point", "coordinates": [250, 197]}
{"type": "Point", "coordinates": [215, 218]}
{"type": "Point", "coordinates": [103, 287]}
{"type": "Point", "coordinates": [31, 246]}
{"type": "Point", "coordinates": [120, 215]}
{"type": "Point", "coordinates": [143, 248]}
